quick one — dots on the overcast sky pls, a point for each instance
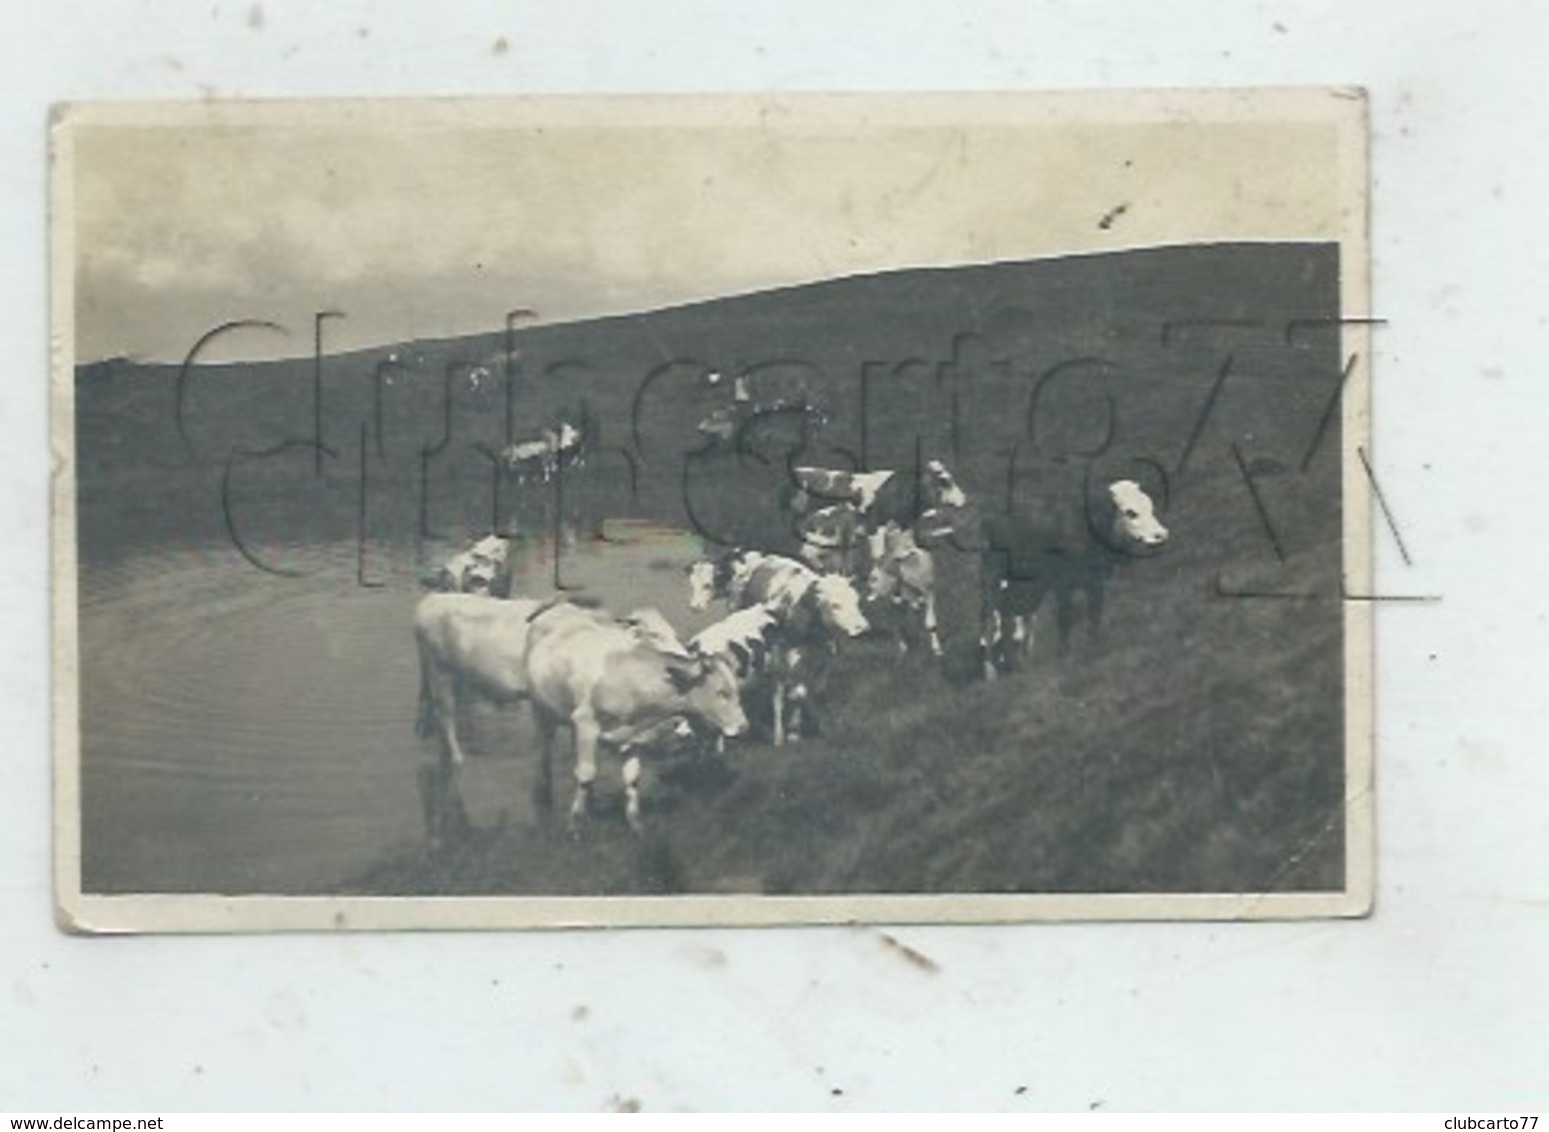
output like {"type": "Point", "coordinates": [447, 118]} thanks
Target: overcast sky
{"type": "Point", "coordinates": [434, 219]}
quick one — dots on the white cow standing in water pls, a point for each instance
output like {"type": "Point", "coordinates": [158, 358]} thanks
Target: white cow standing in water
{"type": "Point", "coordinates": [578, 668]}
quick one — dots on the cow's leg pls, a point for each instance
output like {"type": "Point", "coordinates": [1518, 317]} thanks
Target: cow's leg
{"type": "Point", "coordinates": [797, 699]}
{"type": "Point", "coordinates": [429, 780]}
{"type": "Point", "coordinates": [777, 704]}
{"type": "Point", "coordinates": [586, 736]}
{"type": "Point", "coordinates": [1010, 652]}
{"type": "Point", "coordinates": [1015, 642]}
{"type": "Point", "coordinates": [543, 787]}
{"type": "Point", "coordinates": [441, 802]}
{"type": "Point", "coordinates": [439, 707]}
{"type": "Point", "coordinates": [433, 802]}
{"type": "Point", "coordinates": [989, 640]}
{"type": "Point", "coordinates": [440, 794]}
{"type": "Point", "coordinates": [931, 633]}
{"type": "Point", "coordinates": [454, 812]}
{"type": "Point", "coordinates": [1065, 611]}
{"type": "Point", "coordinates": [1095, 578]}
{"type": "Point", "coordinates": [632, 793]}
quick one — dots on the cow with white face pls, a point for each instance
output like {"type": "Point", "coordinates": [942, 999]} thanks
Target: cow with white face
{"type": "Point", "coordinates": [809, 602]}
{"type": "Point", "coordinates": [483, 568]}
{"type": "Point", "coordinates": [1064, 549]}
{"type": "Point", "coordinates": [1134, 517]}
{"type": "Point", "coordinates": [577, 667]}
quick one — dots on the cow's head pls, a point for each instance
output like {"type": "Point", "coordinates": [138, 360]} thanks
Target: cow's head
{"type": "Point", "coordinates": [479, 578]}
{"type": "Point", "coordinates": [701, 585]}
{"type": "Point", "coordinates": [1135, 524]}
{"type": "Point", "coordinates": [941, 489]}
{"type": "Point", "coordinates": [839, 605]}
{"type": "Point", "coordinates": [708, 687]}
{"type": "Point", "coordinates": [484, 565]}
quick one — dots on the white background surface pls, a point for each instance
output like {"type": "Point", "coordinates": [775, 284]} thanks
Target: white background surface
{"type": "Point", "coordinates": [1440, 1001]}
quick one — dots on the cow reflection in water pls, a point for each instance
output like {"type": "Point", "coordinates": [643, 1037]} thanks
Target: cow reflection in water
{"type": "Point", "coordinates": [577, 667]}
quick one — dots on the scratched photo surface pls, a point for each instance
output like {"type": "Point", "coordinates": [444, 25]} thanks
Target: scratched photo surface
{"type": "Point", "coordinates": [725, 498]}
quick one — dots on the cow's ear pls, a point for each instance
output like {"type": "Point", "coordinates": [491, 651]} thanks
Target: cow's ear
{"type": "Point", "coordinates": [684, 677]}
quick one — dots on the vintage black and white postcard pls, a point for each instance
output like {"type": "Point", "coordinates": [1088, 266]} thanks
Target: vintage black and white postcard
{"type": "Point", "coordinates": [740, 510]}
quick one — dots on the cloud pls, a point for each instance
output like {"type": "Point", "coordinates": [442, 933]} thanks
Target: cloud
{"type": "Point", "coordinates": [420, 230]}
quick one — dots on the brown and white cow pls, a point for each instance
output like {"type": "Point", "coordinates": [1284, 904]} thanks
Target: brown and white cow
{"type": "Point", "coordinates": [749, 641]}
{"type": "Point", "coordinates": [902, 590]}
{"type": "Point", "coordinates": [792, 589]}
{"type": "Point", "coordinates": [880, 497]}
{"type": "Point", "coordinates": [801, 616]}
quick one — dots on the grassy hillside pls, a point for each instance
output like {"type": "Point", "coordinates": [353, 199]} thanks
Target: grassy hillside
{"type": "Point", "coordinates": [919, 342]}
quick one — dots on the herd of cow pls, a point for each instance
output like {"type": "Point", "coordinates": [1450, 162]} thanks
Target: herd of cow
{"type": "Point", "coordinates": [866, 562]}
